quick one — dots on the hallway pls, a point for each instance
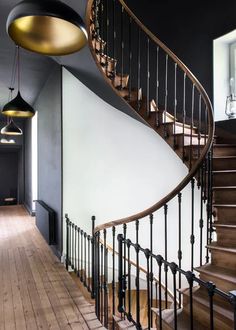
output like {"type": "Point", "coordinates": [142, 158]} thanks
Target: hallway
{"type": "Point", "coordinates": [36, 290]}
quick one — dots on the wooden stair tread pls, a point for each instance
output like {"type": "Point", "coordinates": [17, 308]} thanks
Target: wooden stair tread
{"type": "Point", "coordinates": [219, 307]}
{"type": "Point", "coordinates": [125, 324]}
{"type": "Point", "coordinates": [214, 246]}
{"type": "Point", "coordinates": [223, 171]}
{"type": "Point", "coordinates": [224, 187]}
{"type": "Point", "coordinates": [224, 157]}
{"type": "Point", "coordinates": [182, 319]}
{"type": "Point", "coordinates": [224, 205]}
{"type": "Point", "coordinates": [225, 145]}
{"type": "Point", "coordinates": [224, 226]}
{"type": "Point", "coordinates": [216, 271]}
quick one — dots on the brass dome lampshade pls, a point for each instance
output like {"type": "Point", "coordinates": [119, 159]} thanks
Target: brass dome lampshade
{"type": "Point", "coordinates": [48, 27]}
{"type": "Point", "coordinates": [18, 107]}
{"type": "Point", "coordinates": [11, 129]}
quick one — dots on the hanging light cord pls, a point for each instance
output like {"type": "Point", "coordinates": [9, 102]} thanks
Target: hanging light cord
{"type": "Point", "coordinates": [13, 75]}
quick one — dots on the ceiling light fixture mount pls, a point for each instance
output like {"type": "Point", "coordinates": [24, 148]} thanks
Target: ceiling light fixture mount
{"type": "Point", "coordinates": [48, 27]}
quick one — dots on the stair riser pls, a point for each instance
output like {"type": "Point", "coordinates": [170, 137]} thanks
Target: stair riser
{"type": "Point", "coordinates": [224, 151]}
{"type": "Point", "coordinates": [226, 237]}
{"type": "Point", "coordinates": [224, 164]}
{"type": "Point", "coordinates": [223, 259]}
{"type": "Point", "coordinates": [224, 196]}
{"type": "Point", "coordinates": [225, 215]}
{"type": "Point", "coordinates": [195, 152]}
{"type": "Point", "coordinates": [202, 315]}
{"type": "Point", "coordinates": [220, 283]}
{"type": "Point", "coordinates": [224, 179]}
{"type": "Point", "coordinates": [189, 141]}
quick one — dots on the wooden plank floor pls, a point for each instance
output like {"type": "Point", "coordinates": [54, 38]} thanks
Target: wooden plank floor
{"type": "Point", "coordinates": [36, 291]}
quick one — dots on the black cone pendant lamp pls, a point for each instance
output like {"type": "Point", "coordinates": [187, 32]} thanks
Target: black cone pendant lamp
{"type": "Point", "coordinates": [47, 27]}
{"type": "Point", "coordinates": [11, 129]}
{"type": "Point", "coordinates": [18, 107]}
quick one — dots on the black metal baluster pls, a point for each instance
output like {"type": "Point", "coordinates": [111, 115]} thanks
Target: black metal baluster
{"type": "Point", "coordinates": [166, 97]}
{"type": "Point", "coordinates": [139, 68]}
{"type": "Point", "coordinates": [70, 247]}
{"type": "Point", "coordinates": [89, 264]}
{"type": "Point", "coordinates": [148, 78]}
{"type": "Point", "coordinates": [191, 129]}
{"type": "Point", "coordinates": [105, 280]}
{"type": "Point", "coordinates": [192, 237]}
{"type": "Point", "coordinates": [102, 282]}
{"type": "Point", "coordinates": [67, 242]}
{"type": "Point", "coordinates": [166, 256]}
{"type": "Point", "coordinates": [114, 36]}
{"type": "Point", "coordinates": [129, 281]}
{"type": "Point", "coordinates": [180, 244]}
{"type": "Point", "coordinates": [147, 255]}
{"type": "Point", "coordinates": [173, 268]}
{"type": "Point", "coordinates": [201, 224]}
{"type": "Point", "coordinates": [122, 46]}
{"type": "Point", "coordinates": [124, 235]}
{"type": "Point", "coordinates": [82, 255]}
{"type": "Point", "coordinates": [233, 303]}
{"type": "Point", "coordinates": [209, 197]}
{"type": "Point", "coordinates": [130, 57]}
{"type": "Point", "coordinates": [184, 114]}
{"type": "Point", "coordinates": [75, 248]}
{"type": "Point", "coordinates": [157, 87]}
{"type": "Point", "coordinates": [137, 282]}
{"type": "Point", "coordinates": [199, 135]}
{"type": "Point", "coordinates": [93, 257]}
{"type": "Point", "coordinates": [159, 260]}
{"type": "Point", "coordinates": [113, 276]}
{"type": "Point", "coordinates": [78, 270]}
{"type": "Point", "coordinates": [120, 274]}
{"type": "Point", "coordinates": [107, 33]}
{"type": "Point", "coordinates": [101, 30]}
{"type": "Point", "coordinates": [98, 277]}
{"type": "Point", "coordinates": [175, 103]}
{"type": "Point", "coordinates": [210, 288]}
{"type": "Point", "coordinates": [190, 277]}
{"type": "Point", "coordinates": [85, 259]}
{"type": "Point", "coordinates": [137, 230]}
{"type": "Point", "coordinates": [151, 265]}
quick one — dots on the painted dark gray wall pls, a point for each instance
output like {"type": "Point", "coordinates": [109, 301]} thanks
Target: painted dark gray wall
{"type": "Point", "coordinates": [9, 174]}
{"type": "Point", "coordinates": [189, 30]}
{"type": "Point", "coordinates": [48, 105]}
{"type": "Point", "coordinates": [28, 163]}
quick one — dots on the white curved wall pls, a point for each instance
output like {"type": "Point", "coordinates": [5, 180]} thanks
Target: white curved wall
{"type": "Point", "coordinates": [114, 166]}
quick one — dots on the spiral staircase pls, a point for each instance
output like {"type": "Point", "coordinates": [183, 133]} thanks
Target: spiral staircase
{"type": "Point", "coordinates": [167, 97]}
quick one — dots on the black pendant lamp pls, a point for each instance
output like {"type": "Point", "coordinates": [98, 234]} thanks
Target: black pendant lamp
{"type": "Point", "coordinates": [11, 129]}
{"type": "Point", "coordinates": [48, 27]}
{"type": "Point", "coordinates": [18, 107]}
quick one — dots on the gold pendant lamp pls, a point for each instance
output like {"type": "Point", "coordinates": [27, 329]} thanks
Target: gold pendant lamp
{"type": "Point", "coordinates": [48, 27]}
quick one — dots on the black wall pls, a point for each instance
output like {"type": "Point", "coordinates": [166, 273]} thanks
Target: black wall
{"type": "Point", "coordinates": [9, 167]}
{"type": "Point", "coordinates": [48, 105]}
{"type": "Point", "coordinates": [189, 30]}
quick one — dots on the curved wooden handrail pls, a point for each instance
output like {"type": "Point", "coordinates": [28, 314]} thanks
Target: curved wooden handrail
{"type": "Point", "coordinates": [210, 132]}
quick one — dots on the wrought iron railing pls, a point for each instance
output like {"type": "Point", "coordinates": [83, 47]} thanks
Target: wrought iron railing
{"type": "Point", "coordinates": [167, 96]}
